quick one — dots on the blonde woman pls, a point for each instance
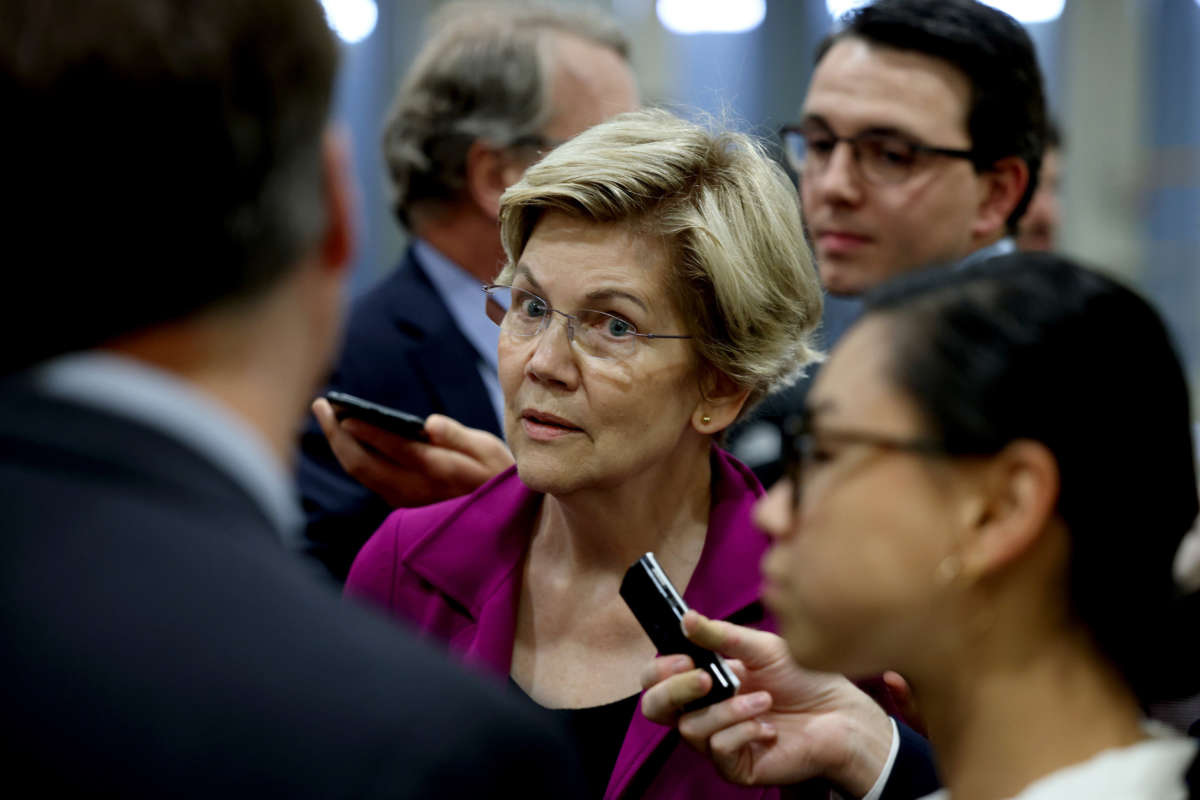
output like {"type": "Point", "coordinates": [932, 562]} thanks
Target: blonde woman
{"type": "Point", "coordinates": [658, 286]}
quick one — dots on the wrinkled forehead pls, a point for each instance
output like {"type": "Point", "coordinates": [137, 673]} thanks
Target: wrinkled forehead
{"type": "Point", "coordinates": [859, 86]}
{"type": "Point", "coordinates": [573, 257]}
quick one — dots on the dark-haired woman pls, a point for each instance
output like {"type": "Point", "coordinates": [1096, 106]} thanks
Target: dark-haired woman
{"type": "Point", "coordinates": [977, 503]}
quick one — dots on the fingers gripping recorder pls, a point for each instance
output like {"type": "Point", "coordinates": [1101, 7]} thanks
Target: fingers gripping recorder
{"type": "Point", "coordinates": [659, 608]}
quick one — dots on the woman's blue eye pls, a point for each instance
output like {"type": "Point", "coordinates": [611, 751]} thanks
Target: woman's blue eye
{"type": "Point", "coordinates": [533, 307]}
{"type": "Point", "coordinates": [619, 327]}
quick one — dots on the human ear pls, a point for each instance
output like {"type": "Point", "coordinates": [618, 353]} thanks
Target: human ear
{"type": "Point", "coordinates": [490, 170]}
{"type": "Point", "coordinates": [337, 241]}
{"type": "Point", "coordinates": [1017, 494]}
{"type": "Point", "coordinates": [721, 399]}
{"type": "Point", "coordinates": [1000, 190]}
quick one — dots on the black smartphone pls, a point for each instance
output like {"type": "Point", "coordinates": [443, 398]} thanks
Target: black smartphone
{"type": "Point", "coordinates": [401, 423]}
{"type": "Point", "coordinates": [659, 609]}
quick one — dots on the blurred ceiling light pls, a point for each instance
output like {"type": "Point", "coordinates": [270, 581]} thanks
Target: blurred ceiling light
{"type": "Point", "coordinates": [1026, 11]}
{"type": "Point", "coordinates": [711, 16]}
{"type": "Point", "coordinates": [1029, 11]}
{"type": "Point", "coordinates": [838, 7]}
{"type": "Point", "coordinates": [352, 20]}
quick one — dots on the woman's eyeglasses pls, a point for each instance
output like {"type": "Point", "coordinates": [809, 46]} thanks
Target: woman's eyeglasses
{"type": "Point", "coordinates": [599, 334]}
{"type": "Point", "coordinates": [803, 447]}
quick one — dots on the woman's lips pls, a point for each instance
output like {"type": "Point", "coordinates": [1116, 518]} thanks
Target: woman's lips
{"type": "Point", "coordinates": [546, 427]}
{"type": "Point", "coordinates": [770, 588]}
{"type": "Point", "coordinates": [768, 593]}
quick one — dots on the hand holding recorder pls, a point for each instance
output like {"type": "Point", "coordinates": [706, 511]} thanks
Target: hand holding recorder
{"type": "Point", "coordinates": [786, 725]}
{"type": "Point", "coordinates": [397, 464]}
{"type": "Point", "coordinates": [659, 609]}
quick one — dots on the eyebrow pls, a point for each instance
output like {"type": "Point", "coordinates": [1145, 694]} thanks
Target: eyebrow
{"type": "Point", "coordinates": [609, 294]}
{"type": "Point", "coordinates": [522, 271]}
{"type": "Point", "coordinates": [876, 130]}
{"type": "Point", "coordinates": [593, 296]}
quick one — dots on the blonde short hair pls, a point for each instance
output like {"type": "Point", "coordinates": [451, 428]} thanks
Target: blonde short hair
{"type": "Point", "coordinates": [741, 272]}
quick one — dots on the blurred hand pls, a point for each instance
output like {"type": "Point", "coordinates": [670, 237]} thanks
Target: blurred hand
{"type": "Point", "coordinates": [786, 725]}
{"type": "Point", "coordinates": [907, 704]}
{"type": "Point", "coordinates": [455, 461]}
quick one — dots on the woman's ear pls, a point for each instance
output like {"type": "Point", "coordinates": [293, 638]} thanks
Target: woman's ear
{"type": "Point", "coordinates": [721, 400]}
{"type": "Point", "coordinates": [1017, 494]}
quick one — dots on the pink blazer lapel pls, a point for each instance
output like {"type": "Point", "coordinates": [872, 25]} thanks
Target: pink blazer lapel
{"type": "Point", "coordinates": [726, 581]}
{"type": "Point", "coordinates": [495, 521]}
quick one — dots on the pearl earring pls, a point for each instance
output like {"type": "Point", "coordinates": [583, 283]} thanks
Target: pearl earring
{"type": "Point", "coordinates": [948, 570]}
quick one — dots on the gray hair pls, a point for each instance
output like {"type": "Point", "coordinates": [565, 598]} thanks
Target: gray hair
{"type": "Point", "coordinates": [483, 73]}
{"type": "Point", "coordinates": [742, 274]}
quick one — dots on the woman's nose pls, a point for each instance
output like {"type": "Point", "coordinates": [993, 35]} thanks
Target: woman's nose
{"type": "Point", "coordinates": [773, 513]}
{"type": "Point", "coordinates": [553, 357]}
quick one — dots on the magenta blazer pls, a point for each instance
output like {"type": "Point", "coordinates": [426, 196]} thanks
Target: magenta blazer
{"type": "Point", "coordinates": [453, 570]}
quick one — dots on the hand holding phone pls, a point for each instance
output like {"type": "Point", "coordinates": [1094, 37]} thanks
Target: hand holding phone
{"type": "Point", "coordinates": [659, 609]}
{"type": "Point", "coordinates": [450, 461]}
{"type": "Point", "coordinates": [392, 420]}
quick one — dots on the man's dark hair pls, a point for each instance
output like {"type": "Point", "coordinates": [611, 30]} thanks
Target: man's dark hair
{"type": "Point", "coordinates": [1054, 135]}
{"type": "Point", "coordinates": [1023, 347]}
{"type": "Point", "coordinates": [161, 158]}
{"type": "Point", "coordinates": [1007, 112]}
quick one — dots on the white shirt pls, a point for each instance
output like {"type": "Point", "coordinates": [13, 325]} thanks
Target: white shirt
{"type": "Point", "coordinates": [1152, 769]}
{"type": "Point", "coordinates": [464, 298]}
{"type": "Point", "coordinates": [886, 772]}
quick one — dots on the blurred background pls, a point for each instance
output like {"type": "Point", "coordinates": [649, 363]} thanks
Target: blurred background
{"type": "Point", "coordinates": [1122, 79]}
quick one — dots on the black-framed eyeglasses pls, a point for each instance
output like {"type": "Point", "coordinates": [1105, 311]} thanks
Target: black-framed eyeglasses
{"type": "Point", "coordinates": [884, 157]}
{"type": "Point", "coordinates": [804, 447]}
{"type": "Point", "coordinates": [600, 334]}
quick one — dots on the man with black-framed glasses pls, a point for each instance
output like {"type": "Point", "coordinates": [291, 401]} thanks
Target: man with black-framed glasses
{"type": "Point", "coordinates": [918, 145]}
{"type": "Point", "coordinates": [919, 141]}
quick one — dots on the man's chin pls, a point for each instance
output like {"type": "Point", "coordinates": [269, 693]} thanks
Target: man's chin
{"type": "Point", "coordinates": [843, 281]}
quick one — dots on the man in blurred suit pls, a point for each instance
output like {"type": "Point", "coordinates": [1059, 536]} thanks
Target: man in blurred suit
{"type": "Point", "coordinates": [1039, 227]}
{"type": "Point", "coordinates": [495, 85]}
{"type": "Point", "coordinates": [177, 245]}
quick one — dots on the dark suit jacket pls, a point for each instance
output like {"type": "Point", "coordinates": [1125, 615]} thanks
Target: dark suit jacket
{"type": "Point", "coordinates": [402, 349]}
{"type": "Point", "coordinates": [157, 640]}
